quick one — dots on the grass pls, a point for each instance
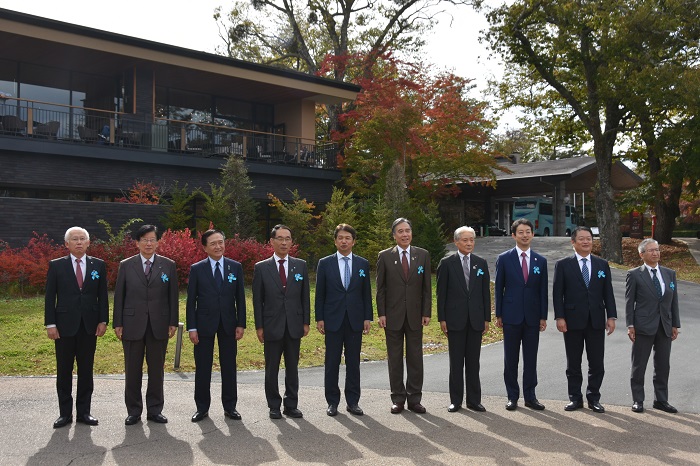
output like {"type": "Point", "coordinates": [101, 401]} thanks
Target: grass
{"type": "Point", "coordinates": [26, 350]}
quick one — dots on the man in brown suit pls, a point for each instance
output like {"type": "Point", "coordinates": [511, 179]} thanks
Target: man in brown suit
{"type": "Point", "coordinates": [145, 316]}
{"type": "Point", "coordinates": [404, 299]}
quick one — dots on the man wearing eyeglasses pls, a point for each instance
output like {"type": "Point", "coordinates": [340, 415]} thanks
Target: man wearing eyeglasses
{"type": "Point", "coordinates": [282, 309]}
{"type": "Point", "coordinates": [145, 316]}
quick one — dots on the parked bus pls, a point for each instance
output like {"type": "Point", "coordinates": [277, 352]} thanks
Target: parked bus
{"type": "Point", "coordinates": [540, 212]}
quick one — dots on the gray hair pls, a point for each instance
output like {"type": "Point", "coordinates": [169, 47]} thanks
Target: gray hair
{"type": "Point", "coordinates": [81, 229]}
{"type": "Point", "coordinates": [464, 229]}
{"type": "Point", "coordinates": [643, 245]}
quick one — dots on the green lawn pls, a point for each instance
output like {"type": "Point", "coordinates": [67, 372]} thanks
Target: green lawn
{"type": "Point", "coordinates": [26, 350]}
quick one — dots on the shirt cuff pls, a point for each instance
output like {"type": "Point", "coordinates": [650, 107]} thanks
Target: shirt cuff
{"type": "Point", "coordinates": [51, 326]}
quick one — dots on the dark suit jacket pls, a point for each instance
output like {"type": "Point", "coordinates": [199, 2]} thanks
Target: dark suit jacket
{"type": "Point", "coordinates": [575, 302]}
{"type": "Point", "coordinates": [457, 305]}
{"type": "Point", "coordinates": [517, 301]}
{"type": "Point", "coordinates": [273, 307]}
{"type": "Point", "coordinates": [333, 301]}
{"type": "Point", "coordinates": [643, 308]}
{"type": "Point", "coordinates": [399, 299]}
{"type": "Point", "coordinates": [65, 304]}
{"type": "Point", "coordinates": [138, 300]}
{"type": "Point", "coordinates": [207, 306]}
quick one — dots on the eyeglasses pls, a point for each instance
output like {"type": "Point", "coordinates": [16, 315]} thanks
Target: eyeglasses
{"type": "Point", "coordinates": [653, 250]}
{"type": "Point", "coordinates": [286, 239]}
{"type": "Point", "coordinates": [148, 240]}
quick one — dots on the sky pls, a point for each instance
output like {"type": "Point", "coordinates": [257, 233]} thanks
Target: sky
{"type": "Point", "coordinates": [453, 45]}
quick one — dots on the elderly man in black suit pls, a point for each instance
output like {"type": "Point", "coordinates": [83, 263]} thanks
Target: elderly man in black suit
{"type": "Point", "coordinates": [343, 313]}
{"type": "Point", "coordinates": [653, 320]}
{"type": "Point", "coordinates": [145, 316]}
{"type": "Point", "coordinates": [464, 312]}
{"type": "Point", "coordinates": [76, 312]}
{"type": "Point", "coordinates": [584, 308]}
{"type": "Point", "coordinates": [215, 308]}
{"type": "Point", "coordinates": [282, 309]}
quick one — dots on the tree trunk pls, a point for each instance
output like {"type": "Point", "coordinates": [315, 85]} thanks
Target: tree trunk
{"type": "Point", "coordinates": [666, 209]}
{"type": "Point", "coordinates": [606, 211]}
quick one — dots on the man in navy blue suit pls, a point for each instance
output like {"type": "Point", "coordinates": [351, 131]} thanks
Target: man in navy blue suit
{"type": "Point", "coordinates": [584, 308]}
{"type": "Point", "coordinates": [215, 307]}
{"type": "Point", "coordinates": [521, 310]}
{"type": "Point", "coordinates": [343, 313]}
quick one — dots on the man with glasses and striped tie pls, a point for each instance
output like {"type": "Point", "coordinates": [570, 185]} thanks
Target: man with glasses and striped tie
{"type": "Point", "coordinates": [584, 308]}
{"type": "Point", "coordinates": [343, 314]}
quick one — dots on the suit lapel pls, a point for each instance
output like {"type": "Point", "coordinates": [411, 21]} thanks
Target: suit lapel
{"type": "Point", "coordinates": [457, 267]}
{"type": "Point", "coordinates": [138, 269]}
{"type": "Point", "coordinates": [515, 257]}
{"type": "Point", "coordinates": [573, 263]}
{"type": "Point", "coordinates": [335, 271]}
{"type": "Point", "coordinates": [273, 270]}
{"type": "Point", "coordinates": [69, 271]}
{"type": "Point", "coordinates": [646, 278]}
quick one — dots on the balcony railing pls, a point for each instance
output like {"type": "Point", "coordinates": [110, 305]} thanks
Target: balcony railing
{"type": "Point", "coordinates": [79, 125]}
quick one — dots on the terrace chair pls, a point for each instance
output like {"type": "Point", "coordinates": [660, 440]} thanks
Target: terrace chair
{"type": "Point", "coordinates": [88, 135]}
{"type": "Point", "coordinates": [13, 125]}
{"type": "Point", "coordinates": [48, 130]}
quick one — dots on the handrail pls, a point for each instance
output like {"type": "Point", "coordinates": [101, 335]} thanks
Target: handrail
{"type": "Point", "coordinates": [20, 99]}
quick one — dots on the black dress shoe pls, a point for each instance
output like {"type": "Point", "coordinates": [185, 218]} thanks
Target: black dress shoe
{"type": "Point", "coordinates": [62, 421]}
{"type": "Point", "coordinates": [159, 418]}
{"type": "Point", "coordinates": [275, 414]}
{"type": "Point", "coordinates": [332, 410]}
{"type": "Point", "coordinates": [476, 407]}
{"type": "Point", "coordinates": [664, 406]}
{"type": "Point", "coordinates": [292, 412]}
{"type": "Point", "coordinates": [86, 419]}
{"type": "Point", "coordinates": [232, 414]}
{"type": "Point", "coordinates": [596, 407]}
{"type": "Point", "coordinates": [355, 409]}
{"type": "Point", "coordinates": [534, 404]}
{"type": "Point", "coordinates": [512, 405]}
{"type": "Point", "coordinates": [199, 415]}
{"type": "Point", "coordinates": [453, 408]}
{"type": "Point", "coordinates": [131, 420]}
{"type": "Point", "coordinates": [417, 408]}
{"type": "Point", "coordinates": [638, 407]}
{"type": "Point", "coordinates": [573, 405]}
{"type": "Point", "coordinates": [396, 408]}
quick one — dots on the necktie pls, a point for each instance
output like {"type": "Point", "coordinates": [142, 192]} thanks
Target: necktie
{"type": "Point", "coordinates": [283, 276]}
{"type": "Point", "coordinates": [584, 272]}
{"type": "Point", "coordinates": [657, 283]}
{"type": "Point", "coordinates": [346, 281]}
{"type": "Point", "coordinates": [524, 256]}
{"type": "Point", "coordinates": [218, 278]}
{"type": "Point", "coordinates": [465, 267]}
{"type": "Point", "coordinates": [79, 273]}
{"type": "Point", "coordinates": [404, 265]}
{"type": "Point", "coordinates": [148, 268]}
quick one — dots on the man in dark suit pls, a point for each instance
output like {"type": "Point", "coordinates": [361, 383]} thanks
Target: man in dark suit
{"type": "Point", "coordinates": [521, 310]}
{"type": "Point", "coordinates": [76, 312]}
{"type": "Point", "coordinates": [282, 308]}
{"type": "Point", "coordinates": [653, 320]}
{"type": "Point", "coordinates": [404, 300]}
{"type": "Point", "coordinates": [464, 312]}
{"type": "Point", "coordinates": [215, 308]}
{"type": "Point", "coordinates": [145, 316]}
{"type": "Point", "coordinates": [343, 313]}
{"type": "Point", "coordinates": [584, 308]}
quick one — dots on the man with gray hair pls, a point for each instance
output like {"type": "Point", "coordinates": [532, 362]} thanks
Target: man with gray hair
{"type": "Point", "coordinates": [464, 312]}
{"type": "Point", "coordinates": [651, 306]}
{"type": "Point", "coordinates": [76, 312]}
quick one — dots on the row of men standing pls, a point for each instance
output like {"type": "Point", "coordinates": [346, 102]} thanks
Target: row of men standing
{"type": "Point", "coordinates": [146, 316]}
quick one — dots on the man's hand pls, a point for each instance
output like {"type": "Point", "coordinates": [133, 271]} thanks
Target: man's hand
{"type": "Point", "coordinates": [499, 322]}
{"type": "Point", "coordinates": [543, 325]}
{"type": "Point", "coordinates": [306, 329]}
{"type": "Point", "coordinates": [171, 331]}
{"type": "Point", "coordinates": [239, 333]}
{"type": "Point", "coordinates": [425, 321]}
{"type": "Point", "coordinates": [101, 329]}
{"type": "Point", "coordinates": [52, 333]}
{"type": "Point", "coordinates": [561, 325]}
{"type": "Point", "coordinates": [320, 326]}
{"type": "Point", "coordinates": [632, 335]}
{"type": "Point", "coordinates": [610, 326]}
{"type": "Point", "coordinates": [486, 327]}
{"type": "Point", "coordinates": [118, 332]}
{"type": "Point", "coordinates": [382, 321]}
{"type": "Point", "coordinates": [443, 326]}
{"type": "Point", "coordinates": [194, 337]}
{"type": "Point", "coordinates": [367, 326]}
{"type": "Point", "coordinates": [261, 335]}
{"type": "Point", "coordinates": [674, 333]}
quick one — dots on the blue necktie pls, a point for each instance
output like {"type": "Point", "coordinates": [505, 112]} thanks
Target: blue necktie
{"type": "Point", "coordinates": [218, 278]}
{"type": "Point", "coordinates": [584, 271]}
{"type": "Point", "coordinates": [657, 283]}
{"type": "Point", "coordinates": [346, 282]}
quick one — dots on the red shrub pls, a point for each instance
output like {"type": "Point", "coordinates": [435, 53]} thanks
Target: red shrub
{"type": "Point", "coordinates": [250, 251]}
{"type": "Point", "coordinates": [26, 267]}
{"type": "Point", "coordinates": [183, 249]}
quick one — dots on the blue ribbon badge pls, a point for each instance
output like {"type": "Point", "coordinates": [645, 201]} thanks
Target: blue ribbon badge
{"type": "Point", "coordinates": [298, 277]}
{"type": "Point", "coordinates": [601, 274]}
{"type": "Point", "coordinates": [95, 275]}
{"type": "Point", "coordinates": [362, 273]}
{"type": "Point", "coordinates": [164, 277]}
{"type": "Point", "coordinates": [420, 269]}
{"type": "Point", "coordinates": [479, 272]}
{"type": "Point", "coordinates": [231, 278]}
{"type": "Point", "coordinates": [536, 270]}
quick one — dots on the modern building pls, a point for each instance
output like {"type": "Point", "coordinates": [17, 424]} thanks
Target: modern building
{"type": "Point", "coordinates": [85, 114]}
